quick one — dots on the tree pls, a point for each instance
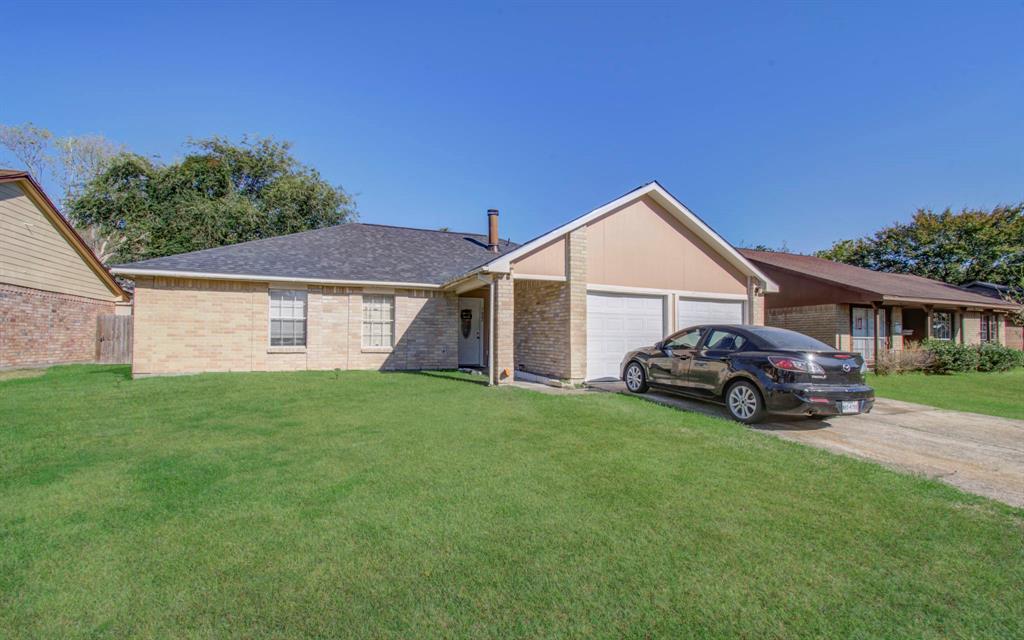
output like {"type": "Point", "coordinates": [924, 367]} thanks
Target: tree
{"type": "Point", "coordinates": [952, 247]}
{"type": "Point", "coordinates": [29, 145]}
{"type": "Point", "coordinates": [220, 193]}
{"type": "Point", "coordinates": [70, 162]}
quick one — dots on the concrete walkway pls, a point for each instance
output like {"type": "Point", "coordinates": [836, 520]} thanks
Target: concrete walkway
{"type": "Point", "coordinates": [977, 453]}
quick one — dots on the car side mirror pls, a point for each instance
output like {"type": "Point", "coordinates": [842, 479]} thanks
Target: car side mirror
{"type": "Point", "coordinates": [660, 345]}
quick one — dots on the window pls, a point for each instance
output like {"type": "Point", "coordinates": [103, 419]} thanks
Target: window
{"type": "Point", "coordinates": [686, 340]}
{"type": "Point", "coordinates": [378, 321]}
{"type": "Point", "coordinates": [287, 318]}
{"type": "Point", "coordinates": [942, 325]}
{"type": "Point", "coordinates": [725, 341]}
{"type": "Point", "coordinates": [989, 328]}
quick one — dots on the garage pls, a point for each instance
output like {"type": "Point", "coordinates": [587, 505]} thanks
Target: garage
{"type": "Point", "coordinates": [617, 324]}
{"type": "Point", "coordinates": [694, 311]}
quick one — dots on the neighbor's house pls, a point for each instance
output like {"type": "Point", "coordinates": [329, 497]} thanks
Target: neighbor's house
{"type": "Point", "coordinates": [841, 305]}
{"type": "Point", "coordinates": [52, 286]}
{"type": "Point", "coordinates": [566, 305]}
{"type": "Point", "coordinates": [1014, 331]}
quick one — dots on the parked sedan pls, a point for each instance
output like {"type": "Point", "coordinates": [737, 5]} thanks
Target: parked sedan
{"type": "Point", "coordinates": [753, 371]}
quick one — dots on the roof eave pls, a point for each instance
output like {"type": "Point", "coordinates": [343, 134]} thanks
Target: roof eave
{"type": "Point", "coordinates": [203, 275]}
{"type": "Point", "coordinates": [986, 304]}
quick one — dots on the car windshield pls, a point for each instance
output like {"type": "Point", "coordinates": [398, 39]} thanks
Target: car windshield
{"type": "Point", "coordinates": [788, 340]}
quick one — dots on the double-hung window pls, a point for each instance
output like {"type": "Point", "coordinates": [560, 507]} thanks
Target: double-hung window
{"type": "Point", "coordinates": [287, 318]}
{"type": "Point", "coordinates": [942, 325]}
{"type": "Point", "coordinates": [378, 321]}
{"type": "Point", "coordinates": [989, 328]}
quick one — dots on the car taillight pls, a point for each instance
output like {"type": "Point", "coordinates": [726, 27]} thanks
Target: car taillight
{"type": "Point", "coordinates": [794, 364]}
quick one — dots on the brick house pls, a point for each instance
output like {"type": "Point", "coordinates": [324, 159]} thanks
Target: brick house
{"type": "Point", "coordinates": [52, 286]}
{"type": "Point", "coordinates": [566, 305]}
{"type": "Point", "coordinates": [841, 305]}
{"type": "Point", "coordinates": [1014, 332]}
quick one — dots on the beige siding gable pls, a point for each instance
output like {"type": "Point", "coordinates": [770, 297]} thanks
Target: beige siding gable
{"type": "Point", "coordinates": [643, 245]}
{"type": "Point", "coordinates": [35, 254]}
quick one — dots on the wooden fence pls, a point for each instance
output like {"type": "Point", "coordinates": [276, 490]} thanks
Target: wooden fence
{"type": "Point", "coordinates": [114, 339]}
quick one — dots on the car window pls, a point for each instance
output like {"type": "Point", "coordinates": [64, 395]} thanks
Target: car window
{"type": "Point", "coordinates": [720, 340]}
{"type": "Point", "coordinates": [775, 338]}
{"type": "Point", "coordinates": [686, 340]}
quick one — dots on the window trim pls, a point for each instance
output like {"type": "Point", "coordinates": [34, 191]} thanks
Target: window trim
{"type": "Point", "coordinates": [948, 314]}
{"type": "Point", "coordinates": [368, 348]}
{"type": "Point", "coordinates": [287, 348]}
{"type": "Point", "coordinates": [988, 330]}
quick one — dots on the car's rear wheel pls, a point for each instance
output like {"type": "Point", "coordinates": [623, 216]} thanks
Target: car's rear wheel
{"type": "Point", "coordinates": [636, 379]}
{"type": "Point", "coordinates": [744, 402]}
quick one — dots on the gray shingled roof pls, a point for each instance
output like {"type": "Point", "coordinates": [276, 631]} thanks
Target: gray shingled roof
{"type": "Point", "coordinates": [351, 251]}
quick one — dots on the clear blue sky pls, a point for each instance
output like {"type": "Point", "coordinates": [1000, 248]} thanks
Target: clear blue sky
{"type": "Point", "coordinates": [796, 123]}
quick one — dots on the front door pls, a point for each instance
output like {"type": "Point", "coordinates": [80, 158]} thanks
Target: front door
{"type": "Point", "coordinates": [471, 340]}
{"type": "Point", "coordinates": [863, 331]}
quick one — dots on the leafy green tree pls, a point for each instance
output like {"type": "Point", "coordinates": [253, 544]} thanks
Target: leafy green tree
{"type": "Point", "coordinates": [953, 247]}
{"type": "Point", "coordinates": [220, 193]}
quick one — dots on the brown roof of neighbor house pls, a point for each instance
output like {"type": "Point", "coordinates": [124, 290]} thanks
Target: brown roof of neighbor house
{"type": "Point", "coordinates": [888, 286]}
{"type": "Point", "coordinates": [76, 241]}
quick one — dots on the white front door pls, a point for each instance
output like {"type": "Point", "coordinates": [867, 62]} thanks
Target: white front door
{"type": "Point", "coordinates": [617, 324]}
{"type": "Point", "coordinates": [691, 312]}
{"type": "Point", "coordinates": [471, 339]}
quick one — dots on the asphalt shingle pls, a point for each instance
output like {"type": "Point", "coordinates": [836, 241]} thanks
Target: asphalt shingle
{"type": "Point", "coordinates": [352, 251]}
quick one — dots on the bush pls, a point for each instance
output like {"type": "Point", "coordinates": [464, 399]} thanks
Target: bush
{"type": "Point", "coordinates": [996, 357]}
{"type": "Point", "coordinates": [912, 358]}
{"type": "Point", "coordinates": [951, 357]}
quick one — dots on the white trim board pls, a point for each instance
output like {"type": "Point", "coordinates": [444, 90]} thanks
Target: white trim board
{"type": "Point", "coordinates": [660, 195]}
{"type": "Point", "coordinates": [611, 288]}
{"type": "Point", "coordinates": [530, 276]}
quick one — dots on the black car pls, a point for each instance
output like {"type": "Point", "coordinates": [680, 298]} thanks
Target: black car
{"type": "Point", "coordinates": [753, 371]}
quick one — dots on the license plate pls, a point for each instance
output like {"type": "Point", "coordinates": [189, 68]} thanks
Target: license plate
{"type": "Point", "coordinates": [849, 406]}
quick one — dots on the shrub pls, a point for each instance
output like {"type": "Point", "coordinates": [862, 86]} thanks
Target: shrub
{"type": "Point", "coordinates": [951, 357]}
{"type": "Point", "coordinates": [911, 358]}
{"type": "Point", "coordinates": [996, 357]}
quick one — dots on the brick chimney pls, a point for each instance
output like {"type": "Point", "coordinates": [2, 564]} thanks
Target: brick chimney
{"type": "Point", "coordinates": [492, 230]}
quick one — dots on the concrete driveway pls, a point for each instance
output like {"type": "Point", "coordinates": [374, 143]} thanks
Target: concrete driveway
{"type": "Point", "coordinates": [977, 453]}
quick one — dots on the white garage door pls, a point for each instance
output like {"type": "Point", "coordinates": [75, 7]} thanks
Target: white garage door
{"type": "Point", "coordinates": [617, 324]}
{"type": "Point", "coordinates": [692, 311]}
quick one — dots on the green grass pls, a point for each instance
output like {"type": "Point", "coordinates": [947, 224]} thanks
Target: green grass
{"type": "Point", "coordinates": [424, 505]}
{"type": "Point", "coordinates": [994, 394]}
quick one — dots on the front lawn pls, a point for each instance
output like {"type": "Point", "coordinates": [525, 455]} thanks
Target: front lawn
{"type": "Point", "coordinates": [994, 394]}
{"type": "Point", "coordinates": [424, 505]}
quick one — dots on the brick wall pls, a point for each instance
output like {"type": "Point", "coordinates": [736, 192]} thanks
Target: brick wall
{"type": "Point", "coordinates": [42, 328]}
{"type": "Point", "coordinates": [542, 327]}
{"type": "Point", "coordinates": [576, 284]}
{"type": "Point", "coordinates": [826, 322]}
{"type": "Point", "coordinates": [504, 330]}
{"type": "Point", "coordinates": [755, 298]}
{"type": "Point", "coordinates": [186, 326]}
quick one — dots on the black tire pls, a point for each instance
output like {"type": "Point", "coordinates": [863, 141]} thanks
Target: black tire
{"type": "Point", "coordinates": [635, 378]}
{"type": "Point", "coordinates": [744, 402]}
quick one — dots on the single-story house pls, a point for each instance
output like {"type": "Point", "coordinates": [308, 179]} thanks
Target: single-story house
{"type": "Point", "coordinates": [566, 305]}
{"type": "Point", "coordinates": [1014, 331]}
{"type": "Point", "coordinates": [841, 305]}
{"type": "Point", "coordinates": [53, 288]}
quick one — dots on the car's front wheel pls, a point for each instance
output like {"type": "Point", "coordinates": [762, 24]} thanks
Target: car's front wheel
{"type": "Point", "coordinates": [744, 402]}
{"type": "Point", "coordinates": [636, 379]}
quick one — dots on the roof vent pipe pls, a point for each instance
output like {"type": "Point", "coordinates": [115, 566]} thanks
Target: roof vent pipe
{"type": "Point", "coordinates": [492, 230]}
